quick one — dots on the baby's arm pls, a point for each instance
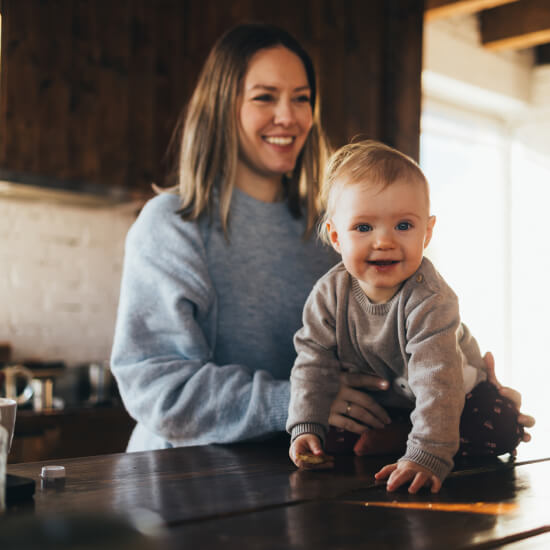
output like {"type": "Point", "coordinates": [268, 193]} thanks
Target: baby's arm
{"type": "Point", "coordinates": [307, 452]}
{"type": "Point", "coordinates": [404, 471]}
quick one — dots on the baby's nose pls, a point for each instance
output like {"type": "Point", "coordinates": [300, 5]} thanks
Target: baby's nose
{"type": "Point", "coordinates": [383, 240]}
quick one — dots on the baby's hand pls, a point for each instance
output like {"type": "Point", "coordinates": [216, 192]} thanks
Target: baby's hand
{"type": "Point", "coordinates": [307, 453]}
{"type": "Point", "coordinates": [405, 471]}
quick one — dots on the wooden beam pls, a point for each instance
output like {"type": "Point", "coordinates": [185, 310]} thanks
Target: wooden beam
{"type": "Point", "coordinates": [439, 9]}
{"type": "Point", "coordinates": [520, 25]}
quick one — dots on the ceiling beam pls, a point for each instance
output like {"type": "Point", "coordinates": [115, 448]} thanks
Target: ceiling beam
{"type": "Point", "coordinates": [519, 25]}
{"type": "Point", "coordinates": [439, 9]}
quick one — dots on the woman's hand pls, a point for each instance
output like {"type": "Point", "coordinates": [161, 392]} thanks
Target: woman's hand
{"type": "Point", "coordinates": [525, 420]}
{"type": "Point", "coordinates": [354, 410]}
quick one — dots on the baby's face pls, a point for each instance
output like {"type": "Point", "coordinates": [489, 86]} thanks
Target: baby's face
{"type": "Point", "coordinates": [381, 233]}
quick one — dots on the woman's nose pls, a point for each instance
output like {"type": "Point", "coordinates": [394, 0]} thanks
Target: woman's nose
{"type": "Point", "coordinates": [284, 113]}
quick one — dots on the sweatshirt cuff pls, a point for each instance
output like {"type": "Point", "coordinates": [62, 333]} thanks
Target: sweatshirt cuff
{"type": "Point", "coordinates": [278, 403]}
{"type": "Point", "coordinates": [438, 466]}
{"type": "Point", "coordinates": [308, 428]}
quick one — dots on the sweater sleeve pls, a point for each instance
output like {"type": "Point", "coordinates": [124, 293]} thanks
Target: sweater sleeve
{"type": "Point", "coordinates": [435, 378]}
{"type": "Point", "coordinates": [162, 358]}
{"type": "Point", "coordinates": [314, 379]}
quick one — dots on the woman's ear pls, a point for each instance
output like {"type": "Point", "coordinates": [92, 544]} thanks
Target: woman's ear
{"type": "Point", "coordinates": [333, 235]}
{"type": "Point", "coordinates": [429, 231]}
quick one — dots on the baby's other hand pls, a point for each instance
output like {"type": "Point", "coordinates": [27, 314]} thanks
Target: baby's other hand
{"type": "Point", "coordinates": [404, 471]}
{"type": "Point", "coordinates": [307, 453]}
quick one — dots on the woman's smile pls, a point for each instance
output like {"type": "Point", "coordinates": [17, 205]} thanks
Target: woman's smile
{"type": "Point", "coordinates": [280, 141]}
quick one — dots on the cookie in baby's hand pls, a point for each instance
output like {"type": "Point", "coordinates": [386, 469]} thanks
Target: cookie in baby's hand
{"type": "Point", "coordinates": [313, 459]}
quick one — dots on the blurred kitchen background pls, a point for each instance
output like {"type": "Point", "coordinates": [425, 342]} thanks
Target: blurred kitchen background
{"type": "Point", "coordinates": [90, 92]}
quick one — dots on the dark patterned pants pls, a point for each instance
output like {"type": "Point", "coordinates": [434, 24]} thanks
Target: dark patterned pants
{"type": "Point", "coordinates": [488, 426]}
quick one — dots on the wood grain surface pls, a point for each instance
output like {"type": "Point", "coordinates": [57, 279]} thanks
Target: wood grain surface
{"type": "Point", "coordinates": [251, 496]}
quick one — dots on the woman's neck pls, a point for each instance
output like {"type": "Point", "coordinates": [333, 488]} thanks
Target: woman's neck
{"type": "Point", "coordinates": [259, 187]}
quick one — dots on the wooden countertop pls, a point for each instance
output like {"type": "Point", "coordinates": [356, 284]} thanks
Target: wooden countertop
{"type": "Point", "coordinates": [251, 496]}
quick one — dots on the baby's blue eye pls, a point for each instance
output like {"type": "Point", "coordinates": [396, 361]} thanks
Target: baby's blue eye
{"type": "Point", "coordinates": [363, 227]}
{"type": "Point", "coordinates": [403, 226]}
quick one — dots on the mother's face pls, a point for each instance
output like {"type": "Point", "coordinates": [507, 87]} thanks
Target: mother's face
{"type": "Point", "coordinates": [274, 114]}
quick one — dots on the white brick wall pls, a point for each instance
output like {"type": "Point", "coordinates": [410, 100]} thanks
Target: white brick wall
{"type": "Point", "coordinates": [60, 269]}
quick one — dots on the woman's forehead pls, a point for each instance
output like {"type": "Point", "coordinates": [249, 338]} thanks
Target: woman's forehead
{"type": "Point", "coordinates": [274, 67]}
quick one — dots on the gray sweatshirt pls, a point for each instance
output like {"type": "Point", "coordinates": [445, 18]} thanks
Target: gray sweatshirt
{"type": "Point", "coordinates": [203, 342]}
{"type": "Point", "coordinates": [415, 341]}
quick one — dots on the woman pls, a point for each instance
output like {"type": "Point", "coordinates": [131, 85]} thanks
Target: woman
{"type": "Point", "coordinates": [215, 275]}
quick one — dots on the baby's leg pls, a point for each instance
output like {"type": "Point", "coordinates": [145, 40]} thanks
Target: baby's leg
{"type": "Point", "coordinates": [391, 439]}
{"type": "Point", "coordinates": [339, 441]}
{"type": "Point", "coordinates": [489, 424]}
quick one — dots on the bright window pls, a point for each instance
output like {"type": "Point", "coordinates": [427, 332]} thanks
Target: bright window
{"type": "Point", "coordinates": [465, 162]}
{"type": "Point", "coordinates": [490, 194]}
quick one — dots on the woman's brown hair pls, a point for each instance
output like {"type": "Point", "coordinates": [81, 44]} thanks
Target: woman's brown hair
{"type": "Point", "coordinates": [208, 151]}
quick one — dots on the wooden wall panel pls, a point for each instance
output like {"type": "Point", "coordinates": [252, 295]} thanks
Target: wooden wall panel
{"type": "Point", "coordinates": [91, 91]}
{"type": "Point", "coordinates": [84, 104]}
{"type": "Point", "coordinates": [402, 68]}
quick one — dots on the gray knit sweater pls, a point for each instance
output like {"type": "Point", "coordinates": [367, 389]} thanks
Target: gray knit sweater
{"type": "Point", "coordinates": [203, 343]}
{"type": "Point", "coordinates": [415, 341]}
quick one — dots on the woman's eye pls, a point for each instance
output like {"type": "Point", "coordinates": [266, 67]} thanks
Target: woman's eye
{"type": "Point", "coordinates": [363, 227]}
{"type": "Point", "coordinates": [403, 226]}
{"type": "Point", "coordinates": [302, 99]}
{"type": "Point", "coordinates": [263, 98]}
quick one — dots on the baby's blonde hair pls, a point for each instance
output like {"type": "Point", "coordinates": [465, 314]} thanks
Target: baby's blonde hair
{"type": "Point", "coordinates": [366, 161]}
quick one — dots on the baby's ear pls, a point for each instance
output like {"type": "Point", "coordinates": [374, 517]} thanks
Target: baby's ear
{"type": "Point", "coordinates": [333, 235]}
{"type": "Point", "coordinates": [429, 231]}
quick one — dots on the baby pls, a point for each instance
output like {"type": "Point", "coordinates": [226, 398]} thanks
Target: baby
{"type": "Point", "coordinates": [385, 310]}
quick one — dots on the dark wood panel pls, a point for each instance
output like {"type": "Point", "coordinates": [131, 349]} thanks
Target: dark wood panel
{"type": "Point", "coordinates": [52, 57]}
{"type": "Point", "coordinates": [402, 63]}
{"type": "Point", "coordinates": [19, 98]}
{"type": "Point", "coordinates": [517, 25]}
{"type": "Point", "coordinates": [542, 54]}
{"type": "Point", "coordinates": [193, 483]}
{"type": "Point", "coordinates": [84, 105]}
{"type": "Point", "coordinates": [346, 522]}
{"type": "Point", "coordinates": [90, 91]}
{"type": "Point", "coordinates": [438, 9]}
{"type": "Point", "coordinates": [113, 132]}
{"type": "Point", "coordinates": [251, 496]}
{"type": "Point", "coordinates": [68, 433]}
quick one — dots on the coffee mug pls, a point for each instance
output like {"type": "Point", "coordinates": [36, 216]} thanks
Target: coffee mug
{"type": "Point", "coordinates": [16, 383]}
{"type": "Point", "coordinates": [8, 409]}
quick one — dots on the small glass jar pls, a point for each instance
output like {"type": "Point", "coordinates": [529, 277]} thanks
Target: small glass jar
{"type": "Point", "coordinates": [52, 477]}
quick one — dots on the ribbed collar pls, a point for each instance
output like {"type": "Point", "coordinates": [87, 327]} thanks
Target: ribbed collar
{"type": "Point", "coordinates": [366, 304]}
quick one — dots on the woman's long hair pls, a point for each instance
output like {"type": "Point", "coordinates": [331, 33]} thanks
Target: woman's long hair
{"type": "Point", "coordinates": [209, 140]}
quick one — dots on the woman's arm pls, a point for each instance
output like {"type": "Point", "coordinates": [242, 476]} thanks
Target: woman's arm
{"type": "Point", "coordinates": [162, 354]}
